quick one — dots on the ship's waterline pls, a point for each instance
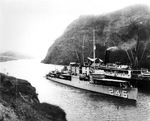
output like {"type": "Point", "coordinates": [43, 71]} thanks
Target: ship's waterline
{"type": "Point", "coordinates": [78, 104]}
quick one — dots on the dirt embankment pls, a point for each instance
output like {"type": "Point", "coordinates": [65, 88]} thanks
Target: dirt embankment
{"type": "Point", "coordinates": [19, 102]}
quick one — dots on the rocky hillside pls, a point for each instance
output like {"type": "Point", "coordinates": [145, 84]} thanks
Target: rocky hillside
{"type": "Point", "coordinates": [19, 102]}
{"type": "Point", "coordinates": [127, 29]}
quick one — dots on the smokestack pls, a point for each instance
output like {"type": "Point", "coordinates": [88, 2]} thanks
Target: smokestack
{"type": "Point", "coordinates": [107, 54]}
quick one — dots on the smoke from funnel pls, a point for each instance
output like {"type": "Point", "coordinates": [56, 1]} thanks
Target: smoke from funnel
{"type": "Point", "coordinates": [128, 45]}
{"type": "Point", "coordinates": [148, 56]}
{"type": "Point", "coordinates": [114, 48]}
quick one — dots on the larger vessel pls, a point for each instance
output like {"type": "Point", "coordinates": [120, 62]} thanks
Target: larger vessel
{"type": "Point", "coordinates": [125, 72]}
{"type": "Point", "coordinates": [131, 72]}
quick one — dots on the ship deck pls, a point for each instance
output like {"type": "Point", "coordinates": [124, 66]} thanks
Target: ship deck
{"type": "Point", "coordinates": [112, 80]}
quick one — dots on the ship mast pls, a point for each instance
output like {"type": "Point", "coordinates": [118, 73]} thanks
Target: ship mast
{"type": "Point", "coordinates": [83, 50]}
{"type": "Point", "coordinates": [94, 47]}
{"type": "Point", "coordinates": [136, 61]}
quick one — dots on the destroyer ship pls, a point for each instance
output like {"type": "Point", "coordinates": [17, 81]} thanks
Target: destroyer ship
{"type": "Point", "coordinates": [95, 83]}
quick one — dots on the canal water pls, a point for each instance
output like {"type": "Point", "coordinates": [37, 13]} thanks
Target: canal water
{"type": "Point", "coordinates": [79, 105]}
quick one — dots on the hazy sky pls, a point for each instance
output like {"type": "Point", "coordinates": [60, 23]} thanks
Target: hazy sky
{"type": "Point", "coordinates": [31, 26]}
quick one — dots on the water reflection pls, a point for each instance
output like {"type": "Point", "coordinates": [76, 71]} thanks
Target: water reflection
{"type": "Point", "coordinates": [145, 91]}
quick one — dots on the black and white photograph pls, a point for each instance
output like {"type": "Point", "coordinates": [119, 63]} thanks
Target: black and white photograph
{"type": "Point", "coordinates": [74, 60]}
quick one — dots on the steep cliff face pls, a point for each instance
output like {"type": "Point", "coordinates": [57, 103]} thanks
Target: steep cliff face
{"type": "Point", "coordinates": [128, 29]}
{"type": "Point", "coordinates": [19, 102]}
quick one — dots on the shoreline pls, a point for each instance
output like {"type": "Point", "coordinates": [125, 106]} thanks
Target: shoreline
{"type": "Point", "coordinates": [19, 101]}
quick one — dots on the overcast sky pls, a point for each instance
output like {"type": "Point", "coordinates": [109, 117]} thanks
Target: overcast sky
{"type": "Point", "coordinates": [31, 26]}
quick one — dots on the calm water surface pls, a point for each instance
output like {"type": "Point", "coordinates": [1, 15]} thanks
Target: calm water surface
{"type": "Point", "coordinates": [78, 104]}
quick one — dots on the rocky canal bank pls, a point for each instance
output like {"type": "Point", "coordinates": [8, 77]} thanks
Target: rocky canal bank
{"type": "Point", "coordinates": [19, 102]}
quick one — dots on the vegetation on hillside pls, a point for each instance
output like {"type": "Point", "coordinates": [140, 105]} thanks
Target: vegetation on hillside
{"type": "Point", "coordinates": [127, 29]}
{"type": "Point", "coordinates": [19, 102]}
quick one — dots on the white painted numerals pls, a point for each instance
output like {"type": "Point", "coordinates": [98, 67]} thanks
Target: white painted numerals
{"type": "Point", "coordinates": [111, 91]}
{"type": "Point", "coordinates": [124, 94]}
{"type": "Point", "coordinates": [118, 93]}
